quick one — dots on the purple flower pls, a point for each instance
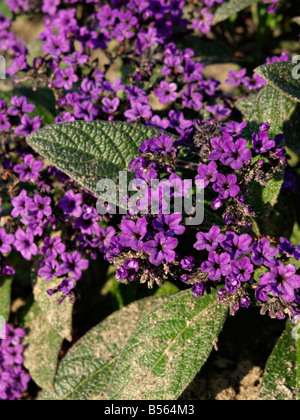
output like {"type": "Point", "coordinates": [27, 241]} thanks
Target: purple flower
{"type": "Point", "coordinates": [86, 110]}
{"type": "Point", "coordinates": [71, 204]}
{"type": "Point", "coordinates": [52, 247]}
{"type": "Point", "coordinates": [48, 269]}
{"type": "Point", "coordinates": [148, 40]}
{"type": "Point", "coordinates": [264, 253]}
{"type": "Point", "coordinates": [188, 263]}
{"type": "Point", "coordinates": [64, 79]}
{"type": "Point", "coordinates": [19, 64]}
{"type": "Point", "coordinates": [73, 265]}
{"type": "Point", "coordinates": [88, 222]}
{"type": "Point", "coordinates": [204, 22]}
{"type": "Point", "coordinates": [107, 16]}
{"type": "Point", "coordinates": [75, 59]}
{"type": "Point", "coordinates": [153, 199]}
{"type": "Point", "coordinates": [282, 280]}
{"type": "Point", "coordinates": [162, 145]}
{"type": "Point", "coordinates": [176, 187]}
{"type": "Point", "coordinates": [66, 286]}
{"type": "Point", "coordinates": [173, 65]}
{"type": "Point", "coordinates": [167, 92]}
{"type": "Point", "coordinates": [210, 3]}
{"type": "Point", "coordinates": [219, 111]}
{"type": "Point", "coordinates": [28, 126]}
{"type": "Point", "coordinates": [29, 170]}
{"type": "Point", "coordinates": [198, 290]}
{"type": "Point", "coordinates": [261, 143]}
{"type": "Point", "coordinates": [236, 153]}
{"type": "Point", "coordinates": [21, 204]}
{"type": "Point", "coordinates": [236, 78]}
{"type": "Point", "coordinates": [41, 206]}
{"type": "Point", "coordinates": [209, 241]}
{"type": "Point", "coordinates": [288, 249]}
{"type": "Point", "coordinates": [192, 99]}
{"type": "Point", "coordinates": [208, 173]}
{"type": "Point", "coordinates": [122, 274]}
{"type": "Point", "coordinates": [20, 106]}
{"type": "Point", "coordinates": [242, 270]}
{"type": "Point", "coordinates": [132, 264]}
{"type": "Point", "coordinates": [217, 266]}
{"type": "Point", "coordinates": [133, 233]}
{"type": "Point", "coordinates": [237, 245]}
{"type": "Point", "coordinates": [6, 240]}
{"type": "Point", "coordinates": [137, 111]}
{"type": "Point", "coordinates": [161, 249]}
{"type": "Point", "coordinates": [235, 129]}
{"type": "Point", "coordinates": [217, 145]}
{"type": "Point", "coordinates": [50, 6]}
{"type": "Point", "coordinates": [24, 243]}
{"type": "Point", "coordinates": [4, 124]}
{"type": "Point", "coordinates": [169, 224]}
{"type": "Point", "coordinates": [110, 105]}
{"type": "Point", "coordinates": [13, 336]}
{"type": "Point", "coordinates": [178, 121]}
{"type": "Point", "coordinates": [226, 186]}
{"type": "Point", "coordinates": [103, 240]}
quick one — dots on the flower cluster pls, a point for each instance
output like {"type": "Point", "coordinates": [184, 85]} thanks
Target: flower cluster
{"type": "Point", "coordinates": [13, 378]}
{"type": "Point", "coordinates": [37, 220]}
{"type": "Point", "coordinates": [155, 244]}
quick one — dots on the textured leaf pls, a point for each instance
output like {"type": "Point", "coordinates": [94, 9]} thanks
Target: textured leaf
{"type": "Point", "coordinates": [268, 105]}
{"type": "Point", "coordinates": [168, 348]}
{"type": "Point", "coordinates": [85, 371]}
{"type": "Point", "coordinates": [42, 347]}
{"type": "Point", "coordinates": [58, 316]}
{"type": "Point", "coordinates": [292, 131]}
{"type": "Point", "coordinates": [90, 151]}
{"type": "Point", "coordinates": [167, 288]}
{"type": "Point", "coordinates": [280, 77]}
{"type": "Point", "coordinates": [5, 297]}
{"type": "Point", "coordinates": [282, 374]}
{"type": "Point", "coordinates": [229, 8]}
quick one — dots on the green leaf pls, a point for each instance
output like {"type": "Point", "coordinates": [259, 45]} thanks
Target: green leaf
{"type": "Point", "coordinates": [263, 199]}
{"type": "Point", "coordinates": [58, 316]}
{"type": "Point", "coordinates": [167, 288]}
{"type": "Point", "coordinates": [168, 348]}
{"type": "Point", "coordinates": [282, 374]}
{"type": "Point", "coordinates": [269, 105]}
{"type": "Point", "coordinates": [5, 9]}
{"type": "Point", "coordinates": [231, 7]}
{"type": "Point", "coordinates": [85, 371]}
{"type": "Point", "coordinates": [42, 347]}
{"type": "Point", "coordinates": [280, 77]}
{"type": "Point", "coordinates": [90, 151]}
{"type": "Point", "coordinates": [5, 297]}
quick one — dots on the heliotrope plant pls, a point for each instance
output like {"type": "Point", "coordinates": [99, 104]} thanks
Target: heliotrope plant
{"type": "Point", "coordinates": [154, 247]}
{"type": "Point", "coordinates": [118, 87]}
